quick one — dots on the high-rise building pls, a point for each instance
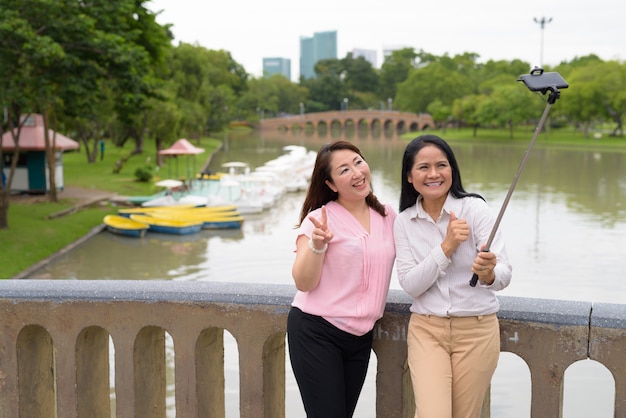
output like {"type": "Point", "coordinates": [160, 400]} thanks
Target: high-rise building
{"type": "Point", "coordinates": [307, 60]}
{"type": "Point", "coordinates": [323, 45]}
{"type": "Point", "coordinates": [273, 66]}
{"type": "Point", "coordinates": [368, 54]}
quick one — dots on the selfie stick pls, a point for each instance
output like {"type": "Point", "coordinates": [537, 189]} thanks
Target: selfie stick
{"type": "Point", "coordinates": [554, 95]}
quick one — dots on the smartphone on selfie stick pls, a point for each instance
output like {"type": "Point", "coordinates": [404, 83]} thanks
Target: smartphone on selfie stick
{"type": "Point", "coordinates": [545, 83]}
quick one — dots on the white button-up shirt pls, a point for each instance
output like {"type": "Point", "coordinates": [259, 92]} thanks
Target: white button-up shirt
{"type": "Point", "coordinates": [440, 285]}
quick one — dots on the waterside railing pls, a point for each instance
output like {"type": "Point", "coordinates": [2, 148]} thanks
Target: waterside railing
{"type": "Point", "coordinates": [55, 337]}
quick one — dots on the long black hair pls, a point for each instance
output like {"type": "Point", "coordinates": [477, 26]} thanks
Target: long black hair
{"type": "Point", "coordinates": [319, 193]}
{"type": "Point", "coordinates": [408, 194]}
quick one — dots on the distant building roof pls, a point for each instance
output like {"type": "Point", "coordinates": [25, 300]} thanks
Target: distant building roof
{"type": "Point", "coordinates": [32, 137]}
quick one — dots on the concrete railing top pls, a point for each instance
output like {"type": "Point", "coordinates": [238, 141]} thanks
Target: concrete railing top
{"type": "Point", "coordinates": [608, 315]}
{"type": "Point", "coordinates": [558, 312]}
{"type": "Point", "coordinates": [147, 290]}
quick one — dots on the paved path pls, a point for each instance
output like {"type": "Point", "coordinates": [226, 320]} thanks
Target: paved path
{"type": "Point", "coordinates": [84, 196]}
{"type": "Point", "coordinates": [80, 195]}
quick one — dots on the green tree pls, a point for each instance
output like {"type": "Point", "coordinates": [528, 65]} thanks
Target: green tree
{"type": "Point", "coordinates": [430, 83]}
{"type": "Point", "coordinates": [37, 60]}
{"type": "Point", "coordinates": [18, 87]}
{"type": "Point", "coordinates": [207, 84]}
{"type": "Point", "coordinates": [441, 113]}
{"type": "Point", "coordinates": [163, 121]}
{"type": "Point", "coordinates": [493, 73]}
{"type": "Point", "coordinates": [507, 106]}
{"type": "Point", "coordinates": [395, 70]}
{"type": "Point", "coordinates": [613, 83]}
{"type": "Point", "coordinates": [135, 63]}
{"type": "Point", "coordinates": [92, 121]}
{"type": "Point", "coordinates": [57, 55]}
{"type": "Point", "coordinates": [271, 96]}
{"type": "Point", "coordinates": [360, 75]}
{"type": "Point", "coordinates": [109, 47]}
{"type": "Point", "coordinates": [464, 64]}
{"type": "Point", "coordinates": [191, 87]}
{"type": "Point", "coordinates": [465, 110]}
{"type": "Point", "coordinates": [602, 87]}
{"type": "Point", "coordinates": [327, 90]}
{"type": "Point", "coordinates": [584, 101]}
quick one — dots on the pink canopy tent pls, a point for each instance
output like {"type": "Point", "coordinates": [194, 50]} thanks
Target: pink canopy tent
{"type": "Point", "coordinates": [182, 147]}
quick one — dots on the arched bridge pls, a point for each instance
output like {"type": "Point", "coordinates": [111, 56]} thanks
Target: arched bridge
{"type": "Point", "coordinates": [383, 120]}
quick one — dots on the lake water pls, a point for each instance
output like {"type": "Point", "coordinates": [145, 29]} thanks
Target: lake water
{"type": "Point", "coordinates": [564, 228]}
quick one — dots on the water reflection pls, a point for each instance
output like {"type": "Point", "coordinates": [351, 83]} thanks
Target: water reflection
{"type": "Point", "coordinates": [564, 224]}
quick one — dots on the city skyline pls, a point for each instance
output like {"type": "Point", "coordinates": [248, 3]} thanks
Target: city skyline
{"type": "Point", "coordinates": [322, 45]}
{"type": "Point", "coordinates": [310, 53]}
{"type": "Point", "coordinates": [281, 65]}
{"type": "Point", "coordinates": [251, 31]}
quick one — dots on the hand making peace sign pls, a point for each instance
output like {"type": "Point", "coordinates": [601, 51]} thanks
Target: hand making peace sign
{"type": "Point", "coordinates": [320, 235]}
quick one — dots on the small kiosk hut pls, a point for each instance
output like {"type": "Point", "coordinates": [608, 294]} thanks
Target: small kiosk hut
{"type": "Point", "coordinates": [31, 175]}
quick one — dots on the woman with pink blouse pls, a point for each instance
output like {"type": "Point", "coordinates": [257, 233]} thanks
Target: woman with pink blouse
{"type": "Point", "coordinates": [344, 259]}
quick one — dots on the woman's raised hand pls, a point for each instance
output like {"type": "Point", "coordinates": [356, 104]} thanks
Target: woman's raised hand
{"type": "Point", "coordinates": [320, 235]}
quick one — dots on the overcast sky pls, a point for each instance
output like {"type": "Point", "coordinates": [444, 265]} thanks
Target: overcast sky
{"type": "Point", "coordinates": [494, 29]}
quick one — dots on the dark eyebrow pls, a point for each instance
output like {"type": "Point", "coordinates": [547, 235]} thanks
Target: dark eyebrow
{"type": "Point", "coordinates": [357, 157]}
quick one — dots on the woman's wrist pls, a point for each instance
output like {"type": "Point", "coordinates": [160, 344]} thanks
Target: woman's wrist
{"type": "Point", "coordinates": [315, 250]}
{"type": "Point", "coordinates": [492, 278]}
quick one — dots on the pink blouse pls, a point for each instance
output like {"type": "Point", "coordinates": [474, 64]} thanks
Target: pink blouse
{"type": "Point", "coordinates": [352, 291]}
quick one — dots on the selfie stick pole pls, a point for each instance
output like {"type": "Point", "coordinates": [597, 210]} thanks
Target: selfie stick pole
{"type": "Point", "coordinates": [554, 94]}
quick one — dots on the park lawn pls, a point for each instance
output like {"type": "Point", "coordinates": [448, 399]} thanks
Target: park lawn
{"type": "Point", "coordinates": [100, 176]}
{"type": "Point", "coordinates": [565, 137]}
{"type": "Point", "coordinates": [32, 236]}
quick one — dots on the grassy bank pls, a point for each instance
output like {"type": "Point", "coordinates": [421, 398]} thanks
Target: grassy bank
{"type": "Point", "coordinates": [32, 235]}
{"type": "Point", "coordinates": [100, 176]}
{"type": "Point", "coordinates": [565, 137]}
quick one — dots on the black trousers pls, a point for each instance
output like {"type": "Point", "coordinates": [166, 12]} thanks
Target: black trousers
{"type": "Point", "coordinates": [329, 364]}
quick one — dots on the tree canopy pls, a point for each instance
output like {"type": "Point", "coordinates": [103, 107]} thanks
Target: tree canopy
{"type": "Point", "coordinates": [106, 69]}
{"type": "Point", "coordinates": [109, 71]}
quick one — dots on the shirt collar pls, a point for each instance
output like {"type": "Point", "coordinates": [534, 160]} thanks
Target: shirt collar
{"type": "Point", "coordinates": [451, 204]}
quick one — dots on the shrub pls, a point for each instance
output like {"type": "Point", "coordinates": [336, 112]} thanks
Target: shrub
{"type": "Point", "coordinates": [144, 174]}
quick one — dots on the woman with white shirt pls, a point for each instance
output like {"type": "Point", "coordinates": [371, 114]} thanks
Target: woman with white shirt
{"type": "Point", "coordinates": [344, 261]}
{"type": "Point", "coordinates": [440, 231]}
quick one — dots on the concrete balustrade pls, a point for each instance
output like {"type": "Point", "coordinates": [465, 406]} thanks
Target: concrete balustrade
{"type": "Point", "coordinates": [54, 348]}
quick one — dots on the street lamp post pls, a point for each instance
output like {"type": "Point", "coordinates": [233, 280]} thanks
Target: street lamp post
{"type": "Point", "coordinates": [345, 103]}
{"type": "Point", "coordinates": [542, 22]}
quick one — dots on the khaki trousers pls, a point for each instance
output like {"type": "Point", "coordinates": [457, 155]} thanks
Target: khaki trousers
{"type": "Point", "coordinates": [451, 361]}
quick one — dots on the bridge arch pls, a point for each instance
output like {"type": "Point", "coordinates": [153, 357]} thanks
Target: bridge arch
{"type": "Point", "coordinates": [400, 122]}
